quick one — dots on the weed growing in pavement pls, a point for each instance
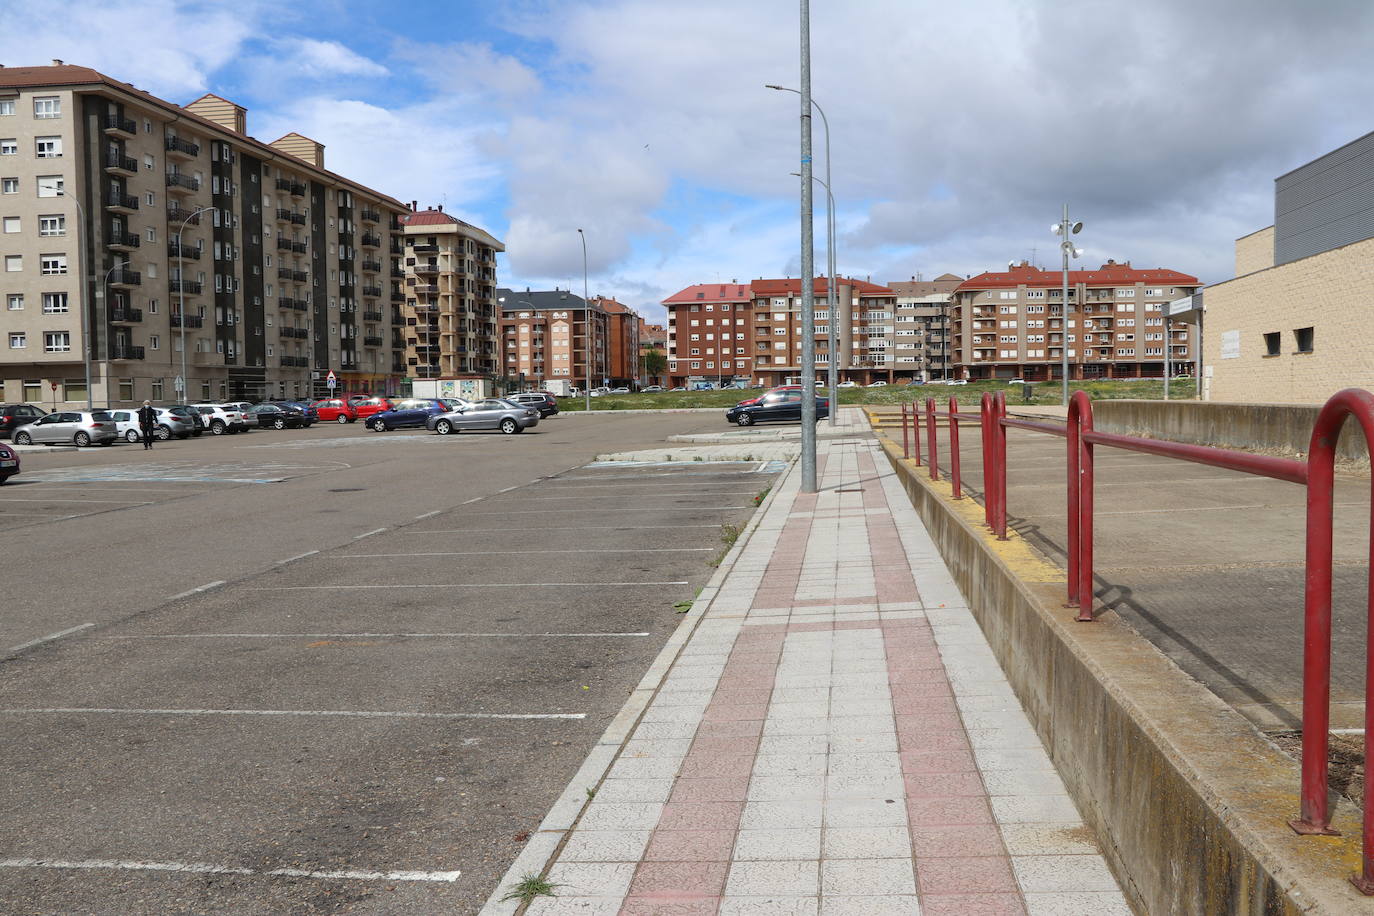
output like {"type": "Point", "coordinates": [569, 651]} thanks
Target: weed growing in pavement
{"type": "Point", "coordinates": [762, 495]}
{"type": "Point", "coordinates": [532, 886]}
{"type": "Point", "coordinates": [698, 458]}
{"type": "Point", "coordinates": [728, 535]}
{"type": "Point", "coordinates": [682, 607]}
{"type": "Point", "coordinates": [591, 792]}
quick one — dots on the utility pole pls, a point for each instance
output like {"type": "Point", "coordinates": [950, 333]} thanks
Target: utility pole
{"type": "Point", "coordinates": [808, 271]}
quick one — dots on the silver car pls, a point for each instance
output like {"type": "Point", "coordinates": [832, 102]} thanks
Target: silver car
{"type": "Point", "coordinates": [78, 427]}
{"type": "Point", "coordinates": [493, 413]}
{"type": "Point", "coordinates": [168, 425]}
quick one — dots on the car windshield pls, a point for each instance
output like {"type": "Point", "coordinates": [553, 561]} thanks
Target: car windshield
{"type": "Point", "coordinates": [101, 415]}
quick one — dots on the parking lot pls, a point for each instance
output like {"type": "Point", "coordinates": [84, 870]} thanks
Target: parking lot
{"type": "Point", "coordinates": [327, 670]}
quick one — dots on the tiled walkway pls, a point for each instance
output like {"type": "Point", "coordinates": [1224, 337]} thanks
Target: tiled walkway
{"type": "Point", "coordinates": [835, 738]}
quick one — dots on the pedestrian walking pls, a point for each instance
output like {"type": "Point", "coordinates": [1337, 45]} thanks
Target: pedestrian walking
{"type": "Point", "coordinates": [147, 423]}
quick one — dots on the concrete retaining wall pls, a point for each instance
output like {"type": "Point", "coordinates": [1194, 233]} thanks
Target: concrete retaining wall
{"type": "Point", "coordinates": [1271, 428]}
{"type": "Point", "coordinates": [1188, 799]}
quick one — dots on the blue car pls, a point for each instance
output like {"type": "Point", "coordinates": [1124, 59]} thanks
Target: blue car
{"type": "Point", "coordinates": [409, 412]}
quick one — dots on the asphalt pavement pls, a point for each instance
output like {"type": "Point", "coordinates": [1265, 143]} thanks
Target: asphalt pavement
{"type": "Point", "coordinates": [327, 670]}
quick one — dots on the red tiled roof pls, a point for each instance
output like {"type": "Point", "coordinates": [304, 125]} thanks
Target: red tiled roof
{"type": "Point", "coordinates": [793, 287]}
{"type": "Point", "coordinates": [428, 218]}
{"type": "Point", "coordinates": [711, 292]}
{"type": "Point", "coordinates": [612, 306]}
{"type": "Point", "coordinates": [1109, 274]}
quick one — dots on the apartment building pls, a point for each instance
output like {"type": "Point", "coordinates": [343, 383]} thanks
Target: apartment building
{"type": "Point", "coordinates": [653, 337]}
{"type": "Point", "coordinates": [622, 342]}
{"type": "Point", "coordinates": [751, 333]}
{"type": "Point", "coordinates": [450, 326]}
{"type": "Point", "coordinates": [922, 326]}
{"type": "Point", "coordinates": [545, 336]}
{"type": "Point", "coordinates": [1011, 324]}
{"type": "Point", "coordinates": [165, 242]}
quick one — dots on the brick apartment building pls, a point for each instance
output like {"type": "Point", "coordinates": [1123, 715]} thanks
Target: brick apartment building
{"type": "Point", "coordinates": [653, 337]}
{"type": "Point", "coordinates": [451, 318]}
{"type": "Point", "coordinates": [923, 339]}
{"type": "Point", "coordinates": [622, 342]}
{"type": "Point", "coordinates": [544, 336]}
{"type": "Point", "coordinates": [1010, 324]}
{"type": "Point", "coordinates": [131, 223]}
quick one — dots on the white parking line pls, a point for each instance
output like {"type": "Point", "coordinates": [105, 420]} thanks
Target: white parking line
{"type": "Point", "coordinates": [473, 500]}
{"type": "Point", "coordinates": [506, 490]}
{"type": "Point", "coordinates": [564, 528]}
{"type": "Point", "coordinates": [299, 556]}
{"type": "Point", "coordinates": [379, 635]}
{"type": "Point", "coordinates": [427, 514]}
{"type": "Point", "coordinates": [198, 589]}
{"type": "Point", "coordinates": [49, 638]}
{"type": "Point", "coordinates": [55, 500]}
{"type": "Point", "coordinates": [506, 553]}
{"type": "Point", "coordinates": [618, 509]}
{"type": "Point", "coordinates": [204, 868]}
{"type": "Point", "coordinates": [654, 492]}
{"type": "Point", "coordinates": [346, 713]}
{"type": "Point", "coordinates": [368, 534]}
{"type": "Point", "coordinates": [318, 588]}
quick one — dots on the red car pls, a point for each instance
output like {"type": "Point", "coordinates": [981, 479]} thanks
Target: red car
{"type": "Point", "coordinates": [365, 405]}
{"type": "Point", "coordinates": [336, 409]}
{"type": "Point", "coordinates": [9, 462]}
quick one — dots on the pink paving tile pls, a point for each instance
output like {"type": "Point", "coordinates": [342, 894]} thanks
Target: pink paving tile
{"type": "Point", "coordinates": [722, 747]}
{"type": "Point", "coordinates": [929, 722]}
{"type": "Point", "coordinates": [741, 696]}
{"type": "Point", "coordinates": [931, 741]}
{"type": "Point", "coordinates": [711, 789]}
{"type": "Point", "coordinates": [955, 761]}
{"type": "Point", "coordinates": [813, 627]}
{"type": "Point", "coordinates": [745, 712]}
{"type": "Point", "coordinates": [700, 815]}
{"type": "Point", "coordinates": [972, 905]}
{"type": "Point", "coordinates": [934, 812]}
{"type": "Point", "coordinates": [917, 676]}
{"type": "Point", "coordinates": [922, 706]}
{"type": "Point", "coordinates": [963, 840]}
{"type": "Point", "coordinates": [690, 846]}
{"type": "Point", "coordinates": [944, 785]}
{"type": "Point", "coordinates": [924, 689]}
{"type": "Point", "coordinates": [731, 729]}
{"type": "Point", "coordinates": [704, 766]}
{"type": "Point", "coordinates": [965, 875]}
{"type": "Point", "coordinates": [753, 678]}
{"type": "Point", "coordinates": [660, 906]}
{"type": "Point", "coordinates": [679, 879]}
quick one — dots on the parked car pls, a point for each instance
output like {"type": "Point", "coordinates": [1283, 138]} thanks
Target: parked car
{"type": "Point", "coordinates": [492, 413]}
{"type": "Point", "coordinates": [775, 405]}
{"type": "Point", "coordinates": [542, 401]}
{"type": "Point", "coordinates": [335, 409]}
{"type": "Point", "coordinates": [600, 391]}
{"type": "Point", "coordinates": [957, 381]}
{"type": "Point", "coordinates": [13, 416]}
{"type": "Point", "coordinates": [1016, 381]}
{"type": "Point", "coordinates": [678, 388]}
{"type": "Point", "coordinates": [653, 389]}
{"type": "Point", "coordinates": [187, 412]}
{"type": "Point", "coordinates": [221, 419]}
{"type": "Point", "coordinates": [79, 427]}
{"type": "Point", "coordinates": [276, 416]}
{"type": "Point", "coordinates": [9, 462]}
{"type": "Point", "coordinates": [301, 407]}
{"type": "Point", "coordinates": [168, 425]}
{"type": "Point", "coordinates": [410, 412]}
{"type": "Point", "coordinates": [877, 384]}
{"type": "Point", "coordinates": [848, 384]}
{"type": "Point", "coordinates": [368, 406]}
{"type": "Point", "coordinates": [621, 390]}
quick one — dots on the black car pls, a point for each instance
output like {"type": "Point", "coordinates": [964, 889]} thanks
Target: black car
{"type": "Point", "coordinates": [276, 416]}
{"type": "Point", "coordinates": [541, 401]}
{"type": "Point", "coordinates": [12, 416]}
{"type": "Point", "coordinates": [309, 413]}
{"type": "Point", "coordinates": [775, 405]}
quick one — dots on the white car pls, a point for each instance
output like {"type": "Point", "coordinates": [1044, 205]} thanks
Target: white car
{"type": "Point", "coordinates": [600, 392]}
{"type": "Point", "coordinates": [877, 385]}
{"type": "Point", "coordinates": [168, 425]}
{"type": "Point", "coordinates": [849, 384]}
{"type": "Point", "coordinates": [221, 418]}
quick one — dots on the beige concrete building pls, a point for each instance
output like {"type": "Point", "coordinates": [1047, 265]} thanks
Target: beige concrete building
{"type": "Point", "coordinates": [922, 326]}
{"type": "Point", "coordinates": [132, 225]}
{"type": "Point", "coordinates": [451, 320]}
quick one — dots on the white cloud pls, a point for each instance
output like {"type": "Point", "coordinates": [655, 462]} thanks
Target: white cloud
{"type": "Point", "coordinates": [321, 59]}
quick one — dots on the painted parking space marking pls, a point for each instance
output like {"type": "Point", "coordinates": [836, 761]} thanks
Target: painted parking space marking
{"type": "Point", "coordinates": [384, 636]}
{"type": "Point", "coordinates": [368, 534]}
{"type": "Point", "coordinates": [205, 868]}
{"type": "Point", "coordinates": [563, 528]}
{"type": "Point", "coordinates": [208, 586]}
{"type": "Point", "coordinates": [322, 588]}
{"type": "Point", "coordinates": [343, 713]}
{"type": "Point", "coordinates": [505, 553]}
{"type": "Point", "coordinates": [58, 499]}
{"type": "Point", "coordinates": [299, 556]}
{"type": "Point", "coordinates": [51, 637]}
{"type": "Point", "coordinates": [428, 514]}
{"type": "Point", "coordinates": [617, 509]}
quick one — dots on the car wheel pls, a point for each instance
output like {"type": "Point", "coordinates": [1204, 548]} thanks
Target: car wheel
{"type": "Point", "coordinates": [342, 418]}
{"type": "Point", "coordinates": [443, 427]}
{"type": "Point", "coordinates": [23, 439]}
{"type": "Point", "coordinates": [132, 436]}
{"type": "Point", "coordinates": [218, 428]}
{"type": "Point", "coordinates": [509, 426]}
{"type": "Point", "coordinates": [279, 423]}
{"type": "Point", "coordinates": [378, 426]}
{"type": "Point", "coordinates": [745, 419]}
{"type": "Point", "coordinates": [164, 433]}
{"type": "Point", "coordinates": [82, 439]}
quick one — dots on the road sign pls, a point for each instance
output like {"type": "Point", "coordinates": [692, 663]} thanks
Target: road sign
{"type": "Point", "coordinates": [331, 380]}
{"type": "Point", "coordinates": [179, 384]}
{"type": "Point", "coordinates": [54, 385]}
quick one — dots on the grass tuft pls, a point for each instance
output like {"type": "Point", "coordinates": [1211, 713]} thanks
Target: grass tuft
{"type": "Point", "coordinates": [531, 886]}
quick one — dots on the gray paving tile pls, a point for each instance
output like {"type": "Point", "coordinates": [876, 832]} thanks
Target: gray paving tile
{"type": "Point", "coordinates": [795, 844]}
{"type": "Point", "coordinates": [769, 879]}
{"type": "Point", "coordinates": [1063, 874]}
{"type": "Point", "coordinates": [867, 877]}
{"type": "Point", "coordinates": [605, 846]}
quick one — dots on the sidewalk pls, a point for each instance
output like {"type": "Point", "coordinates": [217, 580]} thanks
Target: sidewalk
{"type": "Point", "coordinates": [835, 737]}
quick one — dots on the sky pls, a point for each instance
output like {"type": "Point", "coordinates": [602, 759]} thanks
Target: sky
{"type": "Point", "coordinates": [960, 130]}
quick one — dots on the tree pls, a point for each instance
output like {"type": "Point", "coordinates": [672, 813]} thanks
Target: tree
{"type": "Point", "coordinates": [655, 363]}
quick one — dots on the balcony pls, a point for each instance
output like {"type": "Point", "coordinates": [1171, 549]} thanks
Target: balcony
{"type": "Point", "coordinates": [283, 215]}
{"type": "Point", "coordinates": [114, 124]}
{"type": "Point", "coordinates": [182, 148]}
{"type": "Point", "coordinates": [372, 267]}
{"type": "Point", "coordinates": [371, 216]}
{"type": "Point", "coordinates": [373, 316]}
{"type": "Point", "coordinates": [371, 241]}
{"type": "Point", "coordinates": [283, 273]}
{"type": "Point", "coordinates": [124, 240]}
{"type": "Point", "coordinates": [294, 188]}
{"type": "Point", "coordinates": [182, 216]}
{"type": "Point", "coordinates": [372, 341]}
{"type": "Point", "coordinates": [295, 362]}
{"type": "Point", "coordinates": [428, 289]}
{"type": "Point", "coordinates": [425, 249]}
{"type": "Point", "coordinates": [397, 246]}
{"type": "Point", "coordinates": [296, 333]}
{"type": "Point", "coordinates": [121, 277]}
{"type": "Point", "coordinates": [426, 371]}
{"type": "Point", "coordinates": [283, 244]}
{"type": "Point", "coordinates": [345, 238]}
{"type": "Point", "coordinates": [348, 363]}
{"type": "Point", "coordinates": [125, 351]}
{"type": "Point", "coordinates": [120, 164]}
{"type": "Point", "coordinates": [398, 296]}
{"type": "Point", "coordinates": [297, 305]}
{"type": "Point", "coordinates": [178, 183]}
{"type": "Point", "coordinates": [120, 202]}
{"type": "Point", "coordinates": [372, 291]}
{"type": "Point", "coordinates": [121, 314]}
{"type": "Point", "coordinates": [183, 252]}
{"type": "Point", "coordinates": [298, 219]}
{"type": "Point", "coordinates": [397, 273]}
{"type": "Point", "coordinates": [430, 268]}
{"type": "Point", "coordinates": [177, 320]}
{"type": "Point", "coordinates": [191, 287]}
{"type": "Point", "coordinates": [299, 247]}
{"type": "Point", "coordinates": [300, 276]}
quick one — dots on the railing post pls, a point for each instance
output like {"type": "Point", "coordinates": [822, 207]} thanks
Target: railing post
{"type": "Point", "coordinates": [916, 433]}
{"type": "Point", "coordinates": [985, 414]}
{"type": "Point", "coordinates": [932, 444]}
{"type": "Point", "coordinates": [954, 447]}
{"type": "Point", "coordinates": [999, 446]}
{"type": "Point", "coordinates": [906, 437]}
{"type": "Point", "coordinates": [1081, 506]}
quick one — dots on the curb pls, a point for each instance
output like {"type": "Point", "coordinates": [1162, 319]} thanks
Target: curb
{"type": "Point", "coordinates": [544, 844]}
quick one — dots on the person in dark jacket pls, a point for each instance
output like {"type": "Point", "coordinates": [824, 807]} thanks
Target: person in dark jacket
{"type": "Point", "coordinates": [147, 423]}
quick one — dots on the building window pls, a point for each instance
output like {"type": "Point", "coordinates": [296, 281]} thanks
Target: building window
{"type": "Point", "coordinates": [9, 147]}
{"type": "Point", "coordinates": [9, 185]}
{"type": "Point", "coordinates": [154, 342]}
{"type": "Point", "coordinates": [11, 224]}
{"type": "Point", "coordinates": [52, 264]}
{"type": "Point", "coordinates": [48, 147]}
{"type": "Point", "coordinates": [54, 303]}
{"type": "Point", "coordinates": [1303, 337]}
{"type": "Point", "coordinates": [50, 185]}
{"type": "Point", "coordinates": [6, 106]}
{"type": "Point", "coordinates": [14, 263]}
{"type": "Point", "coordinates": [18, 340]}
{"type": "Point", "coordinates": [1273, 342]}
{"type": "Point", "coordinates": [47, 106]}
{"type": "Point", "coordinates": [57, 341]}
{"type": "Point", "coordinates": [126, 389]}
{"type": "Point", "coordinates": [52, 225]}
{"type": "Point", "coordinates": [15, 302]}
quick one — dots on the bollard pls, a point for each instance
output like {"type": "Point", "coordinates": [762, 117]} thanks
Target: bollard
{"type": "Point", "coordinates": [906, 437]}
{"type": "Point", "coordinates": [954, 447]}
{"type": "Point", "coordinates": [932, 446]}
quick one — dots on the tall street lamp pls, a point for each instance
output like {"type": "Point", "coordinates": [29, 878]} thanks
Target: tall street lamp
{"type": "Point", "coordinates": [61, 191]}
{"type": "Point", "coordinates": [1065, 230]}
{"type": "Point", "coordinates": [831, 295]}
{"type": "Point", "coordinates": [181, 299]}
{"type": "Point", "coordinates": [587, 312]}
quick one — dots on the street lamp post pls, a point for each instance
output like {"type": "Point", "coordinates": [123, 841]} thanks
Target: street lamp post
{"type": "Point", "coordinates": [81, 272]}
{"type": "Point", "coordinates": [587, 307]}
{"type": "Point", "coordinates": [181, 301]}
{"type": "Point", "coordinates": [1065, 230]}
{"type": "Point", "coordinates": [831, 295]}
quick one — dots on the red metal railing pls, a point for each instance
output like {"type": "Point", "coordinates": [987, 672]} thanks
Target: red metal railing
{"type": "Point", "coordinates": [1317, 473]}
{"type": "Point", "coordinates": [911, 432]}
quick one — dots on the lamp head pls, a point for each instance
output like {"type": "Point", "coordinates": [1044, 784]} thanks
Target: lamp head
{"type": "Point", "coordinates": [772, 86]}
{"type": "Point", "coordinates": [1057, 229]}
{"type": "Point", "coordinates": [1077, 227]}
